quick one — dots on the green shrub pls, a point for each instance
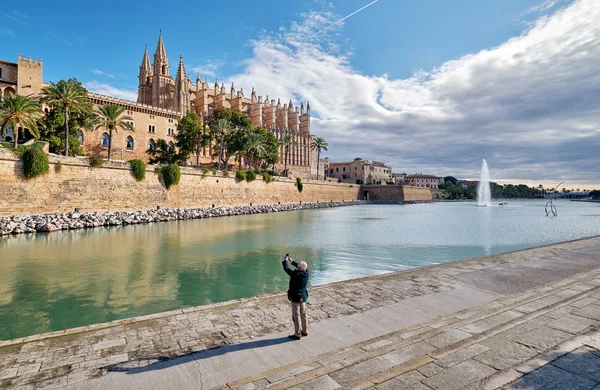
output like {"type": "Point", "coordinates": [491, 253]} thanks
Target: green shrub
{"type": "Point", "coordinates": [214, 171]}
{"type": "Point", "coordinates": [273, 173]}
{"type": "Point", "coordinates": [299, 184]}
{"type": "Point", "coordinates": [35, 162]}
{"type": "Point", "coordinates": [240, 175]}
{"type": "Point", "coordinates": [96, 162]}
{"type": "Point", "coordinates": [170, 175]}
{"type": "Point", "coordinates": [6, 145]}
{"type": "Point", "coordinates": [58, 167]}
{"type": "Point", "coordinates": [138, 169]}
{"type": "Point", "coordinates": [204, 172]}
{"type": "Point", "coordinates": [250, 176]}
{"type": "Point", "coordinates": [266, 177]}
{"type": "Point", "coordinates": [225, 173]}
{"type": "Point", "coordinates": [256, 172]}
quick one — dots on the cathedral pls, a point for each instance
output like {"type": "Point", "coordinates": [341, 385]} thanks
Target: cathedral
{"type": "Point", "coordinates": [158, 89]}
{"type": "Point", "coordinates": [163, 100]}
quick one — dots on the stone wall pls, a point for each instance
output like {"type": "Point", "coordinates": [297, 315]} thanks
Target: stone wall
{"type": "Point", "coordinates": [406, 194]}
{"type": "Point", "coordinates": [112, 187]}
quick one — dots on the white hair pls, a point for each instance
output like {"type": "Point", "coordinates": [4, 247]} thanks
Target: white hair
{"type": "Point", "coordinates": [302, 266]}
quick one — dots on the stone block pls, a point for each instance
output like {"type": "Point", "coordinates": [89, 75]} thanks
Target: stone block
{"type": "Point", "coordinates": [410, 380]}
{"type": "Point", "coordinates": [459, 376]}
{"type": "Point", "coordinates": [590, 311]}
{"type": "Point", "coordinates": [321, 383]}
{"type": "Point", "coordinates": [108, 344]}
{"type": "Point", "coordinates": [504, 354]}
{"type": "Point", "coordinates": [490, 322]}
{"type": "Point", "coordinates": [447, 338]}
{"type": "Point", "coordinates": [430, 369]}
{"type": "Point", "coordinates": [539, 304]}
{"type": "Point", "coordinates": [543, 338]}
{"type": "Point", "coordinates": [407, 353]}
{"type": "Point", "coordinates": [584, 302]}
{"type": "Point", "coordinates": [572, 324]}
{"type": "Point", "coordinates": [294, 371]}
{"type": "Point", "coordinates": [362, 370]}
{"type": "Point", "coordinates": [461, 355]}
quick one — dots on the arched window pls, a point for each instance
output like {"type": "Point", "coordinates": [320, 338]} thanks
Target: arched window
{"type": "Point", "coordinates": [129, 143]}
{"type": "Point", "coordinates": [80, 136]}
{"type": "Point", "coordinates": [105, 140]}
{"type": "Point", "coordinates": [171, 145]}
{"type": "Point", "coordinates": [151, 144]}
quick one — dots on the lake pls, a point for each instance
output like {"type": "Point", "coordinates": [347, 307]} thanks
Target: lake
{"type": "Point", "coordinates": [65, 279]}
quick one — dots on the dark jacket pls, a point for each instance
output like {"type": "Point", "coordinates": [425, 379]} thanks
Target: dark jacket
{"type": "Point", "coordinates": [298, 280]}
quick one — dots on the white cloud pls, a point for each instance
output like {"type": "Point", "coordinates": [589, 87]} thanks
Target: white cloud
{"type": "Point", "coordinates": [209, 69]}
{"type": "Point", "coordinates": [6, 31]}
{"type": "Point", "coordinates": [105, 89]}
{"type": "Point", "coordinates": [101, 73]}
{"type": "Point", "coordinates": [529, 106]}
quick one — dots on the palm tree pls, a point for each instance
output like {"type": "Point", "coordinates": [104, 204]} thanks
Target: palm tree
{"type": "Point", "coordinates": [68, 96]}
{"type": "Point", "coordinates": [255, 147]}
{"type": "Point", "coordinates": [221, 128]}
{"type": "Point", "coordinates": [110, 117]}
{"type": "Point", "coordinates": [19, 111]}
{"type": "Point", "coordinates": [287, 141]}
{"type": "Point", "coordinates": [319, 144]}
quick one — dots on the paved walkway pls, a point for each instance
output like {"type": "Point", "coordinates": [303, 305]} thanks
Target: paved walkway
{"type": "Point", "coordinates": [461, 324]}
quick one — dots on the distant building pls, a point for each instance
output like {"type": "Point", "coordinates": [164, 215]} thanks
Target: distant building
{"type": "Point", "coordinates": [323, 168]}
{"type": "Point", "coordinates": [421, 180]}
{"type": "Point", "coordinates": [360, 171]}
{"type": "Point", "coordinates": [399, 178]}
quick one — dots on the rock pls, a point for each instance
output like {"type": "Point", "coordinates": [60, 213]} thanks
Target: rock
{"type": "Point", "coordinates": [48, 228]}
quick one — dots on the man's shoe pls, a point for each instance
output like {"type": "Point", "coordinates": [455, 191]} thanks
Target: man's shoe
{"type": "Point", "coordinates": [304, 334]}
{"type": "Point", "coordinates": [294, 337]}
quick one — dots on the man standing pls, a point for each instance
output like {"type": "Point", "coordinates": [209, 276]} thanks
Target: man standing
{"type": "Point", "coordinates": [297, 294]}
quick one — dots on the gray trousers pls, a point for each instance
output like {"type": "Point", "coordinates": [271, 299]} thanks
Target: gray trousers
{"type": "Point", "coordinates": [299, 310]}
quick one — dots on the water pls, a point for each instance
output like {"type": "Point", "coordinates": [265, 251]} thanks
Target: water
{"type": "Point", "coordinates": [61, 280]}
{"type": "Point", "coordinates": [484, 193]}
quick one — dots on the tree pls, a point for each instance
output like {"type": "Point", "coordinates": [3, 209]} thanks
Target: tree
{"type": "Point", "coordinates": [287, 141]}
{"type": "Point", "coordinates": [595, 194]}
{"type": "Point", "coordinates": [451, 179]}
{"type": "Point", "coordinates": [319, 144]}
{"type": "Point", "coordinates": [164, 153]}
{"type": "Point", "coordinates": [110, 116]}
{"type": "Point", "coordinates": [18, 111]}
{"type": "Point", "coordinates": [70, 97]}
{"type": "Point", "coordinates": [254, 149]}
{"type": "Point", "coordinates": [191, 136]}
{"type": "Point", "coordinates": [221, 129]}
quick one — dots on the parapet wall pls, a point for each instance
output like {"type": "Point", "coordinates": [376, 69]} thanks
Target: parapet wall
{"type": "Point", "coordinates": [406, 194]}
{"type": "Point", "coordinates": [112, 187]}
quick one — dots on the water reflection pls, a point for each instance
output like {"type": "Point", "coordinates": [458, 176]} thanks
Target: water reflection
{"type": "Point", "coordinates": [61, 280]}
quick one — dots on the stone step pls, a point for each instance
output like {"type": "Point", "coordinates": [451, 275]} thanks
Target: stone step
{"type": "Point", "coordinates": [418, 347]}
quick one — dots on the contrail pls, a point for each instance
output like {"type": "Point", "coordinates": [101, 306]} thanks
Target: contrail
{"type": "Point", "coordinates": [346, 17]}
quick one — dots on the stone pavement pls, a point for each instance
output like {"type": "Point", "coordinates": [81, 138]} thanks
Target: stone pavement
{"type": "Point", "coordinates": [468, 323]}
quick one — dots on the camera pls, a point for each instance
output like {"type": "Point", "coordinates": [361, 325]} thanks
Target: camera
{"type": "Point", "coordinates": [287, 255]}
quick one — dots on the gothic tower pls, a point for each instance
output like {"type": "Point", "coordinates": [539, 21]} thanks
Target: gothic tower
{"type": "Point", "coordinates": [182, 93]}
{"type": "Point", "coordinates": [163, 89]}
{"type": "Point", "coordinates": [145, 83]}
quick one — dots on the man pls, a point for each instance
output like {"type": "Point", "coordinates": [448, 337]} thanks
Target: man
{"type": "Point", "coordinates": [297, 294]}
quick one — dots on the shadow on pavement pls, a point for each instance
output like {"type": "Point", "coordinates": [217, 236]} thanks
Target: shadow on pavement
{"type": "Point", "coordinates": [579, 369]}
{"type": "Point", "coordinates": [141, 365]}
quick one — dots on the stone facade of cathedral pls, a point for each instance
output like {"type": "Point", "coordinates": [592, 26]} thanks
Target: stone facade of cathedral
{"type": "Point", "coordinates": [163, 100]}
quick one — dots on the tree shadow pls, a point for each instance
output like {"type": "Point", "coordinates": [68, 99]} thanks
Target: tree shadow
{"type": "Point", "coordinates": [578, 369]}
{"type": "Point", "coordinates": [141, 365]}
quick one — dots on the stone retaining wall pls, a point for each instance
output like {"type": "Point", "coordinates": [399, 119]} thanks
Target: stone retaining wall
{"type": "Point", "coordinates": [112, 187]}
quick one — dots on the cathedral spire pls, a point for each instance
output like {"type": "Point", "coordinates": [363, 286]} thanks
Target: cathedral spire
{"type": "Point", "coordinates": [161, 61]}
{"type": "Point", "coordinates": [180, 70]}
{"type": "Point", "coordinates": [145, 68]}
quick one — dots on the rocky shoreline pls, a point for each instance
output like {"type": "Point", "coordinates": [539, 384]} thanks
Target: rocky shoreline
{"type": "Point", "coordinates": [50, 222]}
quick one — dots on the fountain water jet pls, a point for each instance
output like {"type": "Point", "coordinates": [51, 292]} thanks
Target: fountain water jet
{"type": "Point", "coordinates": [484, 193]}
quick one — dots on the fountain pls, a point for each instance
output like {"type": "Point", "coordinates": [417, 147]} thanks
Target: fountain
{"type": "Point", "coordinates": [484, 195]}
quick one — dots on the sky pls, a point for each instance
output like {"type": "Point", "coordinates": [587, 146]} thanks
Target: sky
{"type": "Point", "coordinates": [427, 86]}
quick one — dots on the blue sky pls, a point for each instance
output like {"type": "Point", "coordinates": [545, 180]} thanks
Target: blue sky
{"type": "Point", "coordinates": [436, 85]}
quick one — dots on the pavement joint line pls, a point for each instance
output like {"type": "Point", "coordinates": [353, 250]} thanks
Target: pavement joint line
{"type": "Point", "coordinates": [436, 331]}
{"type": "Point", "coordinates": [392, 372]}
